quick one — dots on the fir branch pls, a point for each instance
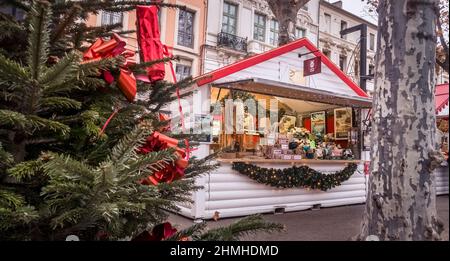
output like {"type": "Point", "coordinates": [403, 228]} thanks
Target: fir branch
{"type": "Point", "coordinates": [38, 123]}
{"type": "Point", "coordinates": [59, 167]}
{"type": "Point", "coordinates": [67, 20]}
{"type": "Point", "coordinates": [26, 169]}
{"type": "Point", "coordinates": [192, 231]}
{"type": "Point", "coordinates": [38, 40]}
{"type": "Point", "coordinates": [93, 68]}
{"type": "Point", "coordinates": [17, 217]}
{"type": "Point", "coordinates": [11, 200]}
{"type": "Point", "coordinates": [69, 86]}
{"type": "Point", "coordinates": [147, 165]}
{"type": "Point", "coordinates": [90, 119]}
{"type": "Point", "coordinates": [11, 71]}
{"type": "Point", "coordinates": [123, 32]}
{"type": "Point", "coordinates": [245, 226]}
{"type": "Point", "coordinates": [6, 158]}
{"type": "Point", "coordinates": [129, 143]}
{"type": "Point", "coordinates": [12, 118]}
{"type": "Point", "coordinates": [52, 103]}
{"type": "Point", "coordinates": [9, 28]}
{"type": "Point", "coordinates": [65, 69]}
{"type": "Point", "coordinates": [69, 216]}
{"type": "Point", "coordinates": [140, 67]}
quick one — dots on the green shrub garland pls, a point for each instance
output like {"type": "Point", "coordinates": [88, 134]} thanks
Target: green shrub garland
{"type": "Point", "coordinates": [302, 176]}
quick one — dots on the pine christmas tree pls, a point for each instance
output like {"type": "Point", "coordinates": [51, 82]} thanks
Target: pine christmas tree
{"type": "Point", "coordinates": [59, 173]}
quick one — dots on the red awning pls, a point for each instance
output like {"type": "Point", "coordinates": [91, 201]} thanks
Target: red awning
{"type": "Point", "coordinates": [441, 96]}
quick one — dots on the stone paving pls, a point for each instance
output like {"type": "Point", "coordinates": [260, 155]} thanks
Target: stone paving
{"type": "Point", "coordinates": [327, 224]}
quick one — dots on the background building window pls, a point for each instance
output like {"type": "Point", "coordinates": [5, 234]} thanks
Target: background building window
{"type": "Point", "coordinates": [327, 23]}
{"type": "Point", "coordinates": [300, 32]}
{"type": "Point", "coordinates": [259, 31]}
{"type": "Point", "coordinates": [372, 42]}
{"type": "Point", "coordinates": [110, 18]}
{"type": "Point", "coordinates": [186, 28]}
{"type": "Point", "coordinates": [342, 62]}
{"type": "Point", "coordinates": [371, 69]}
{"type": "Point", "coordinates": [182, 71]}
{"type": "Point", "coordinates": [343, 27]}
{"type": "Point", "coordinates": [327, 53]}
{"type": "Point", "coordinates": [274, 32]}
{"type": "Point", "coordinates": [229, 19]}
{"type": "Point", "coordinates": [356, 64]}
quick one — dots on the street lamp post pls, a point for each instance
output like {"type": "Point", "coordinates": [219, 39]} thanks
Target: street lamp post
{"type": "Point", "coordinates": [362, 53]}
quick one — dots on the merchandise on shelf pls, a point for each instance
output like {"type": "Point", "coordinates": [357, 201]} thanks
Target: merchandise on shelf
{"type": "Point", "coordinates": [304, 148]}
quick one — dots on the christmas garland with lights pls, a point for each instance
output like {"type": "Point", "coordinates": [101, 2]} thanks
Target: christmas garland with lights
{"type": "Point", "coordinates": [301, 176]}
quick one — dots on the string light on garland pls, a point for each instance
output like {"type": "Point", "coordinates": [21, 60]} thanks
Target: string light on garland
{"type": "Point", "coordinates": [302, 176]}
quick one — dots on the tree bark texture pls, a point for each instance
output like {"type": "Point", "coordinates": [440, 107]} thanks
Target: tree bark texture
{"type": "Point", "coordinates": [286, 13]}
{"type": "Point", "coordinates": [401, 203]}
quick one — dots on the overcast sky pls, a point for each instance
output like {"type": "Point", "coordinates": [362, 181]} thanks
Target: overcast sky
{"type": "Point", "coordinates": [356, 7]}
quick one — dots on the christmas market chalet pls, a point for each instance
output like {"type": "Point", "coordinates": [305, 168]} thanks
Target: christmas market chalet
{"type": "Point", "coordinates": [316, 155]}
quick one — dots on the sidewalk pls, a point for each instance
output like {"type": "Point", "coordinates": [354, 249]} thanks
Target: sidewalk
{"type": "Point", "coordinates": [327, 224]}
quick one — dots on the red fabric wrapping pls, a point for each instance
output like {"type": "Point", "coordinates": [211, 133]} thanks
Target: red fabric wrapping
{"type": "Point", "coordinates": [149, 41]}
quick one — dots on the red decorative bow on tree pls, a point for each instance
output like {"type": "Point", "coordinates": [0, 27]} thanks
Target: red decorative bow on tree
{"type": "Point", "coordinates": [158, 142]}
{"type": "Point", "coordinates": [114, 47]}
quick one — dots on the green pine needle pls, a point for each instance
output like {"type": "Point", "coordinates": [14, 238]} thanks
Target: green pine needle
{"type": "Point", "coordinates": [12, 118]}
{"type": "Point", "coordinates": [38, 41]}
{"type": "Point", "coordinates": [64, 70]}
{"type": "Point", "coordinates": [25, 169]}
{"type": "Point", "coordinates": [52, 103]}
{"type": "Point", "coordinates": [12, 72]}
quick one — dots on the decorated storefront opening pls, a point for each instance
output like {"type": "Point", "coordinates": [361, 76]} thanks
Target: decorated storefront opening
{"type": "Point", "coordinates": [296, 105]}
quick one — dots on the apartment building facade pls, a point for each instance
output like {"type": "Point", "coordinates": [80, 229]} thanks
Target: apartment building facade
{"type": "Point", "coordinates": [210, 34]}
{"type": "Point", "coordinates": [240, 28]}
{"type": "Point", "coordinates": [344, 51]}
{"type": "Point", "coordinates": [183, 31]}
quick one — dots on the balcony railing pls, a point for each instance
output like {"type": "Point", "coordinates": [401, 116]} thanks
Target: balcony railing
{"type": "Point", "coordinates": [232, 41]}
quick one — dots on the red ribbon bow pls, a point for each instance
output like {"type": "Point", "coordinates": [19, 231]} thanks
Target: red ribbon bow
{"type": "Point", "coordinates": [114, 47]}
{"type": "Point", "coordinates": [158, 142]}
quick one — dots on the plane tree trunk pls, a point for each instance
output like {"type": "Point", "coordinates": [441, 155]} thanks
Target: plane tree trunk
{"type": "Point", "coordinates": [401, 203]}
